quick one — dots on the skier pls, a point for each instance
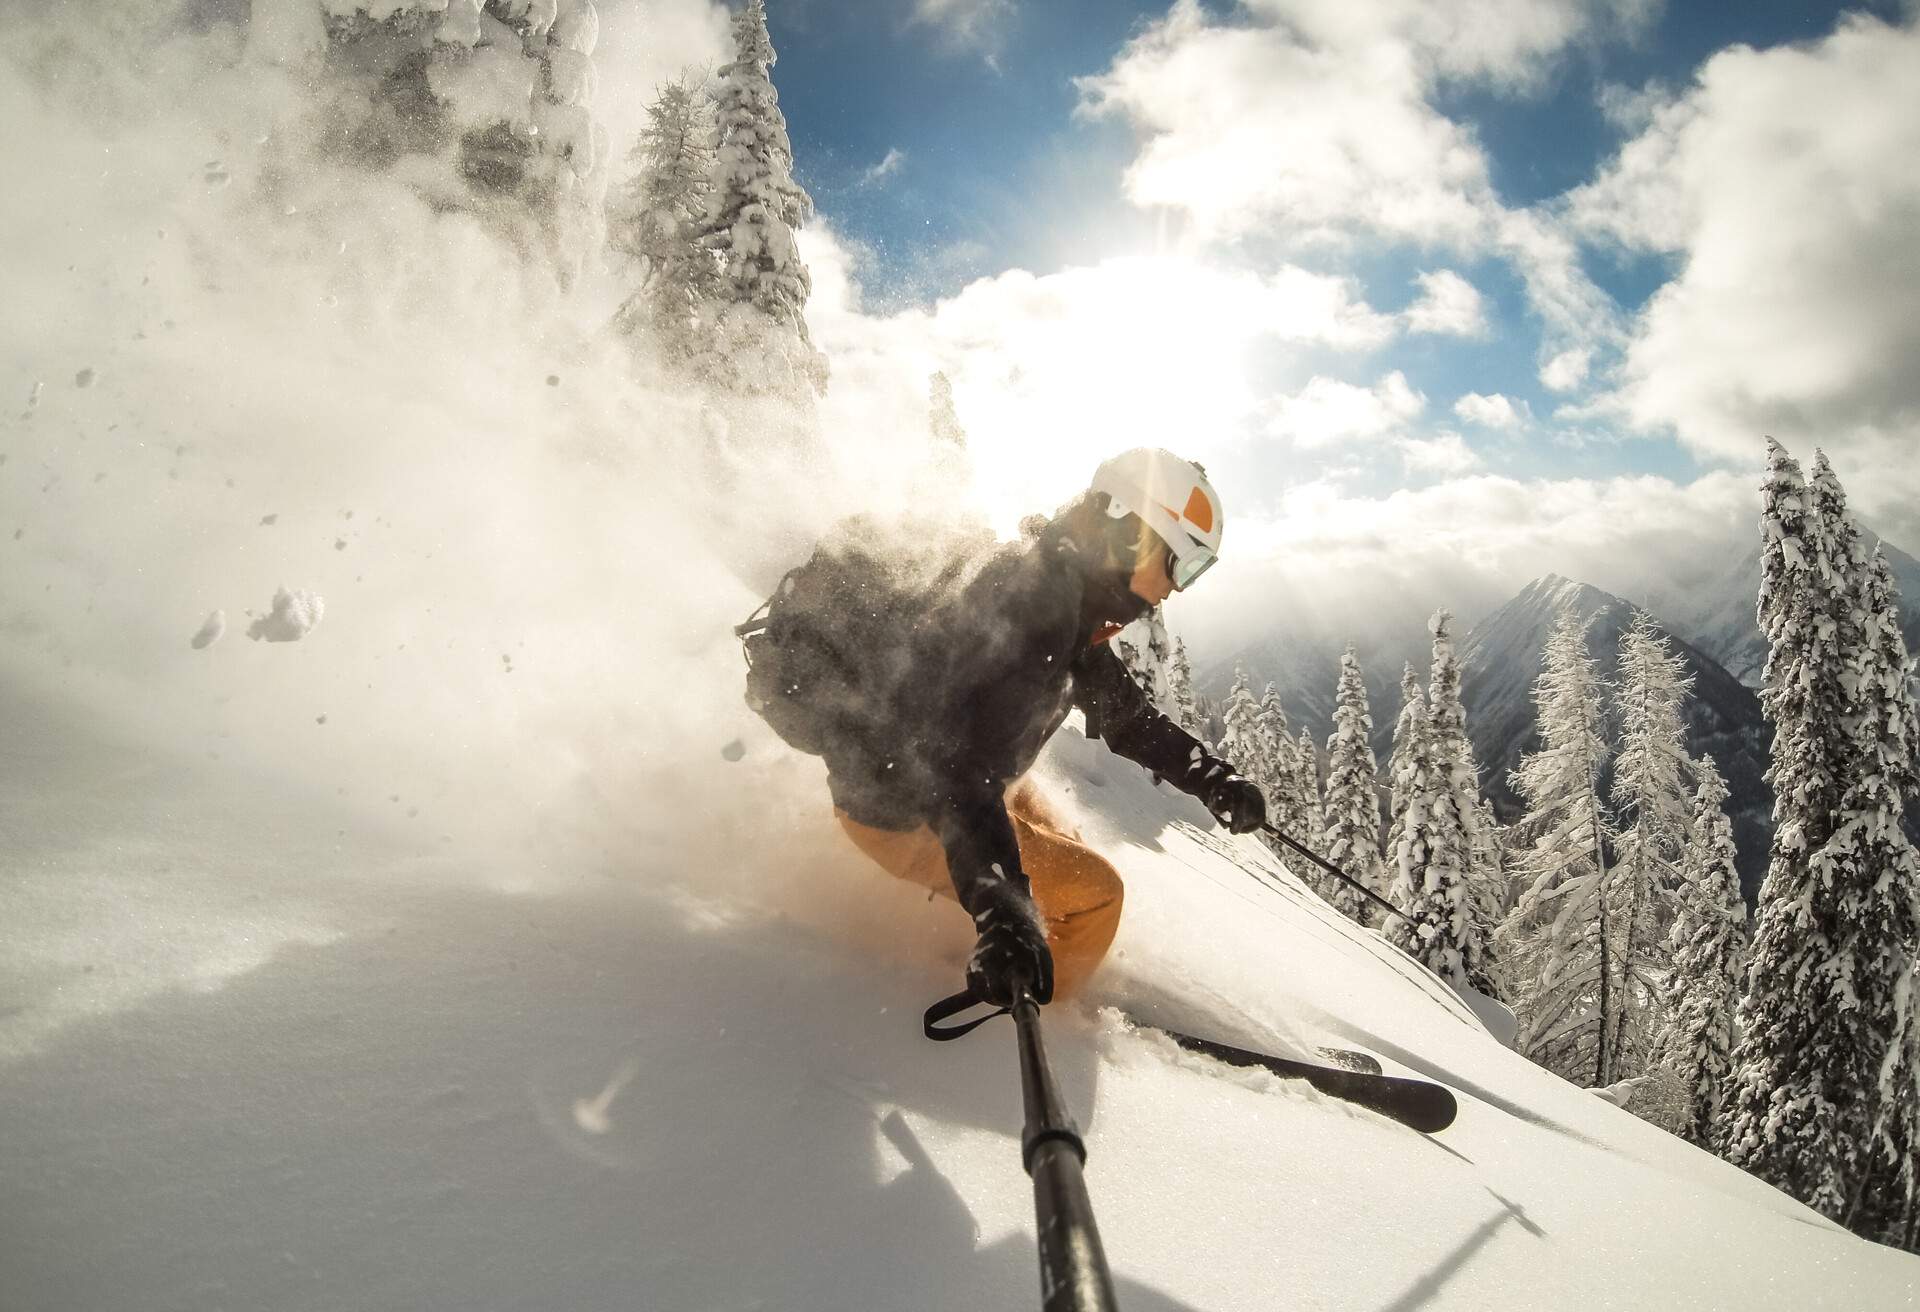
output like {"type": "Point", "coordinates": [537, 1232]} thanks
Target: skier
{"type": "Point", "coordinates": [937, 797]}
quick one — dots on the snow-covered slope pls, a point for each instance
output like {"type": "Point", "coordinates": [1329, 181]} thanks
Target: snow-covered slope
{"type": "Point", "coordinates": [264, 1054]}
{"type": "Point", "coordinates": [463, 943]}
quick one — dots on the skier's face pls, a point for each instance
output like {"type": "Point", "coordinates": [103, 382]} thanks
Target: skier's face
{"type": "Point", "coordinates": [1150, 581]}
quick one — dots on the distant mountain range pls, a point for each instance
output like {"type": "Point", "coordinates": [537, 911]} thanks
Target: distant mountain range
{"type": "Point", "coordinates": [1710, 622]}
{"type": "Point", "coordinates": [1718, 616]}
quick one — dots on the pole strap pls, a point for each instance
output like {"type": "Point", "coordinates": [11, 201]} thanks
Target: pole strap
{"type": "Point", "coordinates": [947, 1008]}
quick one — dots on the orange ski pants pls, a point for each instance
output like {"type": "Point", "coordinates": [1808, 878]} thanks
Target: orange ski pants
{"type": "Point", "coordinates": [1078, 891]}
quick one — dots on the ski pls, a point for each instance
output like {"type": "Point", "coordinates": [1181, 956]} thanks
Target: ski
{"type": "Point", "coordinates": [1418, 1104]}
{"type": "Point", "coordinates": [1364, 1062]}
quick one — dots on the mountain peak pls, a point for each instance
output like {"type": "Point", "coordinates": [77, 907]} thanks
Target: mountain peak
{"type": "Point", "coordinates": [1554, 591]}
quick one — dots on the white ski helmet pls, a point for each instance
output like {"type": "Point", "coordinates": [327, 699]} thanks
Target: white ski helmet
{"type": "Point", "coordinates": [1173, 497]}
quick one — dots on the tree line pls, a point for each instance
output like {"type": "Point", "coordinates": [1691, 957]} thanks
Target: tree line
{"type": "Point", "coordinates": [1609, 916]}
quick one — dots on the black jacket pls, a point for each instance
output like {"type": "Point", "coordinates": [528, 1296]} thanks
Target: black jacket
{"type": "Point", "coordinates": [987, 675]}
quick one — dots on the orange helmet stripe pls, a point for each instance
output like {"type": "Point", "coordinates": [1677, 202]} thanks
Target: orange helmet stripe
{"type": "Point", "coordinates": [1199, 511]}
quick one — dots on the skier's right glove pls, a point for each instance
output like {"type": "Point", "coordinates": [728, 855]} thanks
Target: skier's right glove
{"type": "Point", "coordinates": [1236, 803]}
{"type": "Point", "coordinates": [1012, 945]}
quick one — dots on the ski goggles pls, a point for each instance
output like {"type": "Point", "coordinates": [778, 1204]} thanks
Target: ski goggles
{"type": "Point", "coordinates": [1183, 570]}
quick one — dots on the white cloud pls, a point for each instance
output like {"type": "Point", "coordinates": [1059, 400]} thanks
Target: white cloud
{"type": "Point", "coordinates": [1565, 371]}
{"type": "Point", "coordinates": [1313, 123]}
{"type": "Point", "coordinates": [1242, 124]}
{"type": "Point", "coordinates": [886, 168]}
{"type": "Point", "coordinates": [1788, 183]}
{"type": "Point", "coordinates": [1632, 110]}
{"type": "Point", "coordinates": [1327, 412]}
{"type": "Point", "coordinates": [1508, 43]}
{"type": "Point", "coordinates": [1495, 411]}
{"type": "Point", "coordinates": [1446, 454]}
{"type": "Point", "coordinates": [1449, 305]}
{"type": "Point", "coordinates": [972, 25]}
{"type": "Point", "coordinates": [1468, 542]}
{"type": "Point", "coordinates": [1053, 373]}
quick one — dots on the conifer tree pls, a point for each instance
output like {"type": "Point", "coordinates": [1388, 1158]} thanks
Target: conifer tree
{"type": "Point", "coordinates": [1895, 1218]}
{"type": "Point", "coordinates": [1413, 709]}
{"type": "Point", "coordinates": [1185, 710]}
{"type": "Point", "coordinates": [1453, 755]}
{"type": "Point", "coordinates": [1430, 860]}
{"type": "Point", "coordinates": [660, 225]}
{"type": "Point", "coordinates": [1241, 743]}
{"type": "Point", "coordinates": [1888, 733]}
{"type": "Point", "coordinates": [755, 209]}
{"type": "Point", "coordinates": [1557, 938]}
{"type": "Point", "coordinates": [1306, 784]}
{"type": "Point", "coordinates": [1147, 652]}
{"type": "Point", "coordinates": [1351, 839]}
{"type": "Point", "coordinates": [1708, 946]}
{"type": "Point", "coordinates": [943, 421]}
{"type": "Point", "coordinates": [1654, 817]}
{"type": "Point", "coordinates": [1836, 920]}
{"type": "Point", "coordinates": [1886, 675]}
{"type": "Point", "coordinates": [1280, 778]}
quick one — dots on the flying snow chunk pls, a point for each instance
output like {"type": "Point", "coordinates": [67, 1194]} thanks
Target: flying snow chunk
{"type": "Point", "coordinates": [295, 614]}
{"type": "Point", "coordinates": [85, 377]}
{"type": "Point", "coordinates": [733, 751]}
{"type": "Point", "coordinates": [210, 631]}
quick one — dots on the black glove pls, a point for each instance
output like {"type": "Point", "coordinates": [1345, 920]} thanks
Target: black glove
{"type": "Point", "coordinates": [1012, 946]}
{"type": "Point", "coordinates": [1236, 803]}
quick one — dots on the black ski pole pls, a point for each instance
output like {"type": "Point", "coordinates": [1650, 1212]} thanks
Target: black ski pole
{"type": "Point", "coordinates": [1335, 871]}
{"type": "Point", "coordinates": [1073, 1266]}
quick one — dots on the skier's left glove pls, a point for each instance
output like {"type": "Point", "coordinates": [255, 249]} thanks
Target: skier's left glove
{"type": "Point", "coordinates": [1012, 945]}
{"type": "Point", "coordinates": [1236, 803]}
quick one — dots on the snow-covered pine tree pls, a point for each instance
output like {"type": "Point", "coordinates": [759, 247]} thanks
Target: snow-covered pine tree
{"type": "Point", "coordinates": [488, 105]}
{"type": "Point", "coordinates": [1241, 743]}
{"type": "Point", "coordinates": [1184, 708]}
{"type": "Point", "coordinates": [1407, 727]}
{"type": "Point", "coordinates": [1453, 754]}
{"type": "Point", "coordinates": [1654, 817]}
{"type": "Point", "coordinates": [1896, 1131]}
{"type": "Point", "coordinates": [1708, 944]}
{"type": "Point", "coordinates": [1890, 721]}
{"type": "Point", "coordinates": [1306, 787]}
{"type": "Point", "coordinates": [1431, 858]}
{"type": "Point", "coordinates": [1556, 941]}
{"type": "Point", "coordinates": [1147, 653]}
{"type": "Point", "coordinates": [1490, 867]}
{"type": "Point", "coordinates": [1886, 674]}
{"type": "Point", "coordinates": [1280, 778]}
{"type": "Point", "coordinates": [1413, 710]}
{"type": "Point", "coordinates": [1871, 852]}
{"type": "Point", "coordinates": [1351, 839]}
{"type": "Point", "coordinates": [660, 222]}
{"type": "Point", "coordinates": [1836, 920]}
{"type": "Point", "coordinates": [756, 207]}
{"type": "Point", "coordinates": [943, 421]}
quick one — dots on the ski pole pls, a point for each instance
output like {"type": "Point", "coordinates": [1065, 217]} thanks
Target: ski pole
{"type": "Point", "coordinates": [1335, 871]}
{"type": "Point", "coordinates": [1073, 1265]}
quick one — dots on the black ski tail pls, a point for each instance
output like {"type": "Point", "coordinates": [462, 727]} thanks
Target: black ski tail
{"type": "Point", "coordinates": [1418, 1104]}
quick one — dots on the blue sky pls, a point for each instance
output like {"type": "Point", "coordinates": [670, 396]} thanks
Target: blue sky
{"type": "Point", "coordinates": [1658, 224]}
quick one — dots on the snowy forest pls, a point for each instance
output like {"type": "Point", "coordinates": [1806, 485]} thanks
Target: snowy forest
{"type": "Point", "coordinates": [1587, 904]}
{"type": "Point", "coordinates": [1609, 916]}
